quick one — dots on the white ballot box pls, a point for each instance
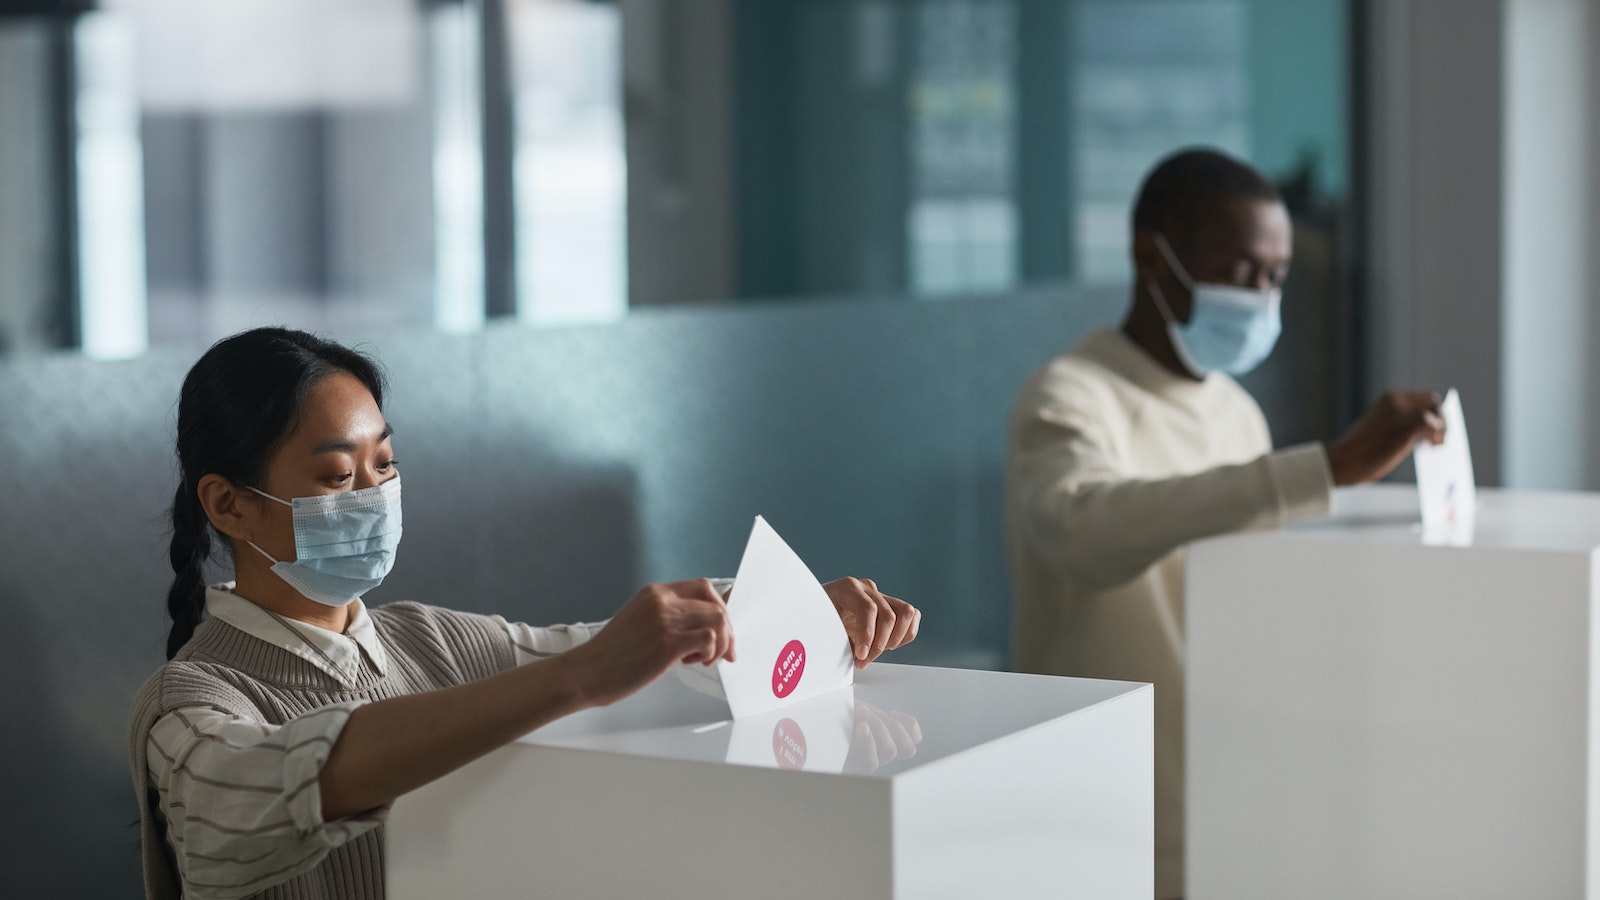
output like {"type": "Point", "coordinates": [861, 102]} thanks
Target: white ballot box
{"type": "Point", "coordinates": [917, 783]}
{"type": "Point", "coordinates": [1374, 714]}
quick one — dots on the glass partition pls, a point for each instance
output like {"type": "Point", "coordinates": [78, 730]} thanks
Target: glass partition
{"type": "Point", "coordinates": [186, 168]}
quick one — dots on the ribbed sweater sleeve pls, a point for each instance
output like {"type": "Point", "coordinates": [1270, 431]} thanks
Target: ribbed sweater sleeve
{"type": "Point", "coordinates": [1100, 527]}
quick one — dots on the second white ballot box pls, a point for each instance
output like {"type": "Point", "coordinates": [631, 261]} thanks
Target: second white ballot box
{"type": "Point", "coordinates": [918, 782]}
{"type": "Point", "coordinates": [1374, 712]}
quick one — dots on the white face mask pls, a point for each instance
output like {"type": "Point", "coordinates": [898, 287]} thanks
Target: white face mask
{"type": "Point", "coordinates": [1230, 329]}
{"type": "Point", "coordinates": [344, 543]}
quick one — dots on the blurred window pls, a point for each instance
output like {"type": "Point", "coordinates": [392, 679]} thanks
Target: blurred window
{"type": "Point", "coordinates": [569, 172]}
{"type": "Point", "coordinates": [181, 169]}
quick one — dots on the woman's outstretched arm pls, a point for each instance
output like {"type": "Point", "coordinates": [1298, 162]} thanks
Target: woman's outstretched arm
{"type": "Point", "coordinates": [394, 746]}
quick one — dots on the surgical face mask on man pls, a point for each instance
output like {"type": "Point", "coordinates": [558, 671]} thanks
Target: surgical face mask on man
{"type": "Point", "coordinates": [1230, 329]}
{"type": "Point", "coordinates": [344, 543]}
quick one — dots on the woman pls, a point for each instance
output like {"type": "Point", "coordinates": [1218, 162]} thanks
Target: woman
{"type": "Point", "coordinates": [289, 716]}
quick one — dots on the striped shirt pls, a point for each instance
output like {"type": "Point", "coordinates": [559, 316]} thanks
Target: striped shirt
{"type": "Point", "coordinates": [239, 795]}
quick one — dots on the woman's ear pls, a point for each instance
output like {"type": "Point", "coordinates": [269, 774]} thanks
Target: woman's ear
{"type": "Point", "coordinates": [229, 510]}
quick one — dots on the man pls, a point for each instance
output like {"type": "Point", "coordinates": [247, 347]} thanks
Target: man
{"type": "Point", "coordinates": [1137, 442]}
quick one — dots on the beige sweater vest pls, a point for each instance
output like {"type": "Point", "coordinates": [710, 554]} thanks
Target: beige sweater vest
{"type": "Point", "coordinates": [223, 668]}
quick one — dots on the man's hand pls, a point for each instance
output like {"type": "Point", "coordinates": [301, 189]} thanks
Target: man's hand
{"type": "Point", "coordinates": [874, 620]}
{"type": "Point", "coordinates": [1385, 434]}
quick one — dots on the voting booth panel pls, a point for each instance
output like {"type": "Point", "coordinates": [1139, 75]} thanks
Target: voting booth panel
{"type": "Point", "coordinates": [917, 782]}
{"type": "Point", "coordinates": [1374, 712]}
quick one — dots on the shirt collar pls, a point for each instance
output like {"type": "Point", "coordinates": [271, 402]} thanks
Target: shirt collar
{"type": "Point", "coordinates": [337, 654]}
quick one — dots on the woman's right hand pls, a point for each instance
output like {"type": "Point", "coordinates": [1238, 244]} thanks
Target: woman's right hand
{"type": "Point", "coordinates": [664, 624]}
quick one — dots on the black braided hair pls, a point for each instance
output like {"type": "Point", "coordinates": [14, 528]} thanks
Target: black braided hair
{"type": "Point", "coordinates": [239, 403]}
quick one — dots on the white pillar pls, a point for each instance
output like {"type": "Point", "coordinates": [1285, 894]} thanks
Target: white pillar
{"type": "Point", "coordinates": [1548, 229]}
{"type": "Point", "coordinates": [1482, 126]}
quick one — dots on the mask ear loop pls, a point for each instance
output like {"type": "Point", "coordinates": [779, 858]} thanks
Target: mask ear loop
{"type": "Point", "coordinates": [263, 552]}
{"type": "Point", "coordinates": [1156, 293]}
{"type": "Point", "coordinates": [275, 500]}
{"type": "Point", "coordinates": [1172, 260]}
{"type": "Point", "coordinates": [269, 496]}
{"type": "Point", "coordinates": [1174, 327]}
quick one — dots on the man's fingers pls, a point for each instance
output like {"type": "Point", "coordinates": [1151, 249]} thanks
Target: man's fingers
{"type": "Point", "coordinates": [1433, 425]}
{"type": "Point", "coordinates": [1411, 416]}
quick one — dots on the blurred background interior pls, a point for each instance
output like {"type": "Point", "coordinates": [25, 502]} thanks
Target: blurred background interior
{"type": "Point", "coordinates": [641, 270]}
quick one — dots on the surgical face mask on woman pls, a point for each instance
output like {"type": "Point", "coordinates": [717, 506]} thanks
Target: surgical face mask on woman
{"type": "Point", "coordinates": [344, 543]}
{"type": "Point", "coordinates": [1230, 329]}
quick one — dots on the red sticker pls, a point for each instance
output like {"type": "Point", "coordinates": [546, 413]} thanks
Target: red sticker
{"type": "Point", "coordinates": [789, 745]}
{"type": "Point", "coordinates": [787, 670]}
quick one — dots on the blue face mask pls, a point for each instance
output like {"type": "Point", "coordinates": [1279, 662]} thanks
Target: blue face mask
{"type": "Point", "coordinates": [1230, 329]}
{"type": "Point", "coordinates": [343, 543]}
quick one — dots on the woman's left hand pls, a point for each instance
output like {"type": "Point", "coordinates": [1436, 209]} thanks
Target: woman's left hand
{"type": "Point", "coordinates": [874, 620]}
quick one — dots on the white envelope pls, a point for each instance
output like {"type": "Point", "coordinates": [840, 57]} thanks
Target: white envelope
{"type": "Point", "coordinates": [1445, 484]}
{"type": "Point", "coordinates": [787, 636]}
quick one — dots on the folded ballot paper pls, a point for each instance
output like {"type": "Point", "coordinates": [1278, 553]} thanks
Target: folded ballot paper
{"type": "Point", "coordinates": [787, 636]}
{"type": "Point", "coordinates": [1445, 484]}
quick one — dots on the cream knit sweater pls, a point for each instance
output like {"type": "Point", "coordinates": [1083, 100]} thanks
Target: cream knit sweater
{"type": "Point", "coordinates": [1114, 464]}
